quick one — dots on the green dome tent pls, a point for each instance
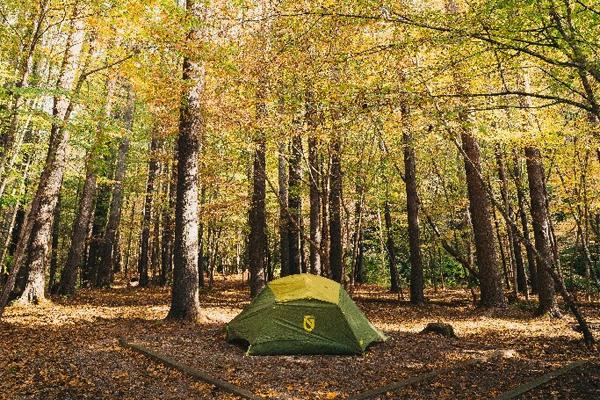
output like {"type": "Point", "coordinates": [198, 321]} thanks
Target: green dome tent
{"type": "Point", "coordinates": [303, 314]}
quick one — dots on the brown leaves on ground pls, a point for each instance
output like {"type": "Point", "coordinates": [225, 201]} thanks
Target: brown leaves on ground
{"type": "Point", "coordinates": [69, 349]}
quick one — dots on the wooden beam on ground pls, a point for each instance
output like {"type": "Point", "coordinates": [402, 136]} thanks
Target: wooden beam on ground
{"type": "Point", "coordinates": [393, 387]}
{"type": "Point", "coordinates": [225, 386]}
{"type": "Point", "coordinates": [539, 381]}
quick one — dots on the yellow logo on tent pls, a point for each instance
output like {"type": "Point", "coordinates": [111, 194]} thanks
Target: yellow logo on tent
{"type": "Point", "coordinates": [309, 323]}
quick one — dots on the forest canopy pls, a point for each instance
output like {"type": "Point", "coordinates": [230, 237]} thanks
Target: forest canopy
{"type": "Point", "coordinates": [409, 144]}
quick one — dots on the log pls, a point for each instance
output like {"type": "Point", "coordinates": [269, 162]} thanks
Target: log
{"type": "Point", "coordinates": [169, 362]}
{"type": "Point", "coordinates": [395, 386]}
{"type": "Point", "coordinates": [440, 328]}
{"type": "Point", "coordinates": [539, 381]}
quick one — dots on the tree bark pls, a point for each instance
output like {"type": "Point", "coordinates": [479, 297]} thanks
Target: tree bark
{"type": "Point", "coordinates": [185, 300]}
{"type": "Point", "coordinates": [479, 204]}
{"type": "Point", "coordinates": [325, 264]}
{"type": "Point", "coordinates": [38, 225]}
{"type": "Point", "coordinates": [295, 204]}
{"type": "Point", "coordinates": [531, 261]}
{"type": "Point", "coordinates": [91, 266]}
{"type": "Point", "coordinates": [479, 207]}
{"type": "Point", "coordinates": [284, 239]}
{"type": "Point", "coordinates": [144, 259]}
{"type": "Point", "coordinates": [79, 235]}
{"type": "Point", "coordinates": [412, 207]}
{"type": "Point", "coordinates": [257, 218]}
{"type": "Point", "coordinates": [107, 247]}
{"type": "Point", "coordinates": [521, 277]}
{"type": "Point", "coordinates": [201, 264]}
{"type": "Point", "coordinates": [391, 250]}
{"type": "Point", "coordinates": [541, 232]}
{"type": "Point", "coordinates": [167, 233]}
{"type": "Point", "coordinates": [54, 250]}
{"type": "Point", "coordinates": [335, 212]}
{"type": "Point", "coordinates": [314, 177]}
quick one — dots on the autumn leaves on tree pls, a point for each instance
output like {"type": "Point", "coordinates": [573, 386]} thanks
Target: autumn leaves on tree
{"type": "Point", "coordinates": [439, 143]}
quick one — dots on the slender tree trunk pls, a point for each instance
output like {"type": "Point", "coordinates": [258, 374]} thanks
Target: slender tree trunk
{"type": "Point", "coordinates": [335, 211]}
{"type": "Point", "coordinates": [185, 297]}
{"type": "Point", "coordinates": [521, 277]}
{"type": "Point", "coordinates": [531, 261]}
{"type": "Point", "coordinates": [295, 204]}
{"type": "Point", "coordinates": [108, 245]}
{"type": "Point", "coordinates": [91, 267]}
{"type": "Point", "coordinates": [155, 246]}
{"type": "Point", "coordinates": [17, 219]}
{"type": "Point", "coordinates": [201, 255]}
{"type": "Point", "coordinates": [325, 264]}
{"type": "Point", "coordinates": [144, 260]}
{"type": "Point", "coordinates": [167, 233]}
{"type": "Point", "coordinates": [541, 232]}
{"type": "Point", "coordinates": [479, 208]}
{"type": "Point", "coordinates": [54, 251]}
{"type": "Point", "coordinates": [130, 237]}
{"type": "Point", "coordinates": [257, 217]}
{"type": "Point", "coordinates": [503, 258]}
{"type": "Point", "coordinates": [358, 275]}
{"type": "Point", "coordinates": [412, 206]}
{"type": "Point", "coordinates": [79, 236]}
{"type": "Point", "coordinates": [201, 265]}
{"type": "Point", "coordinates": [314, 177]}
{"type": "Point", "coordinates": [391, 250]}
{"type": "Point", "coordinates": [284, 238]}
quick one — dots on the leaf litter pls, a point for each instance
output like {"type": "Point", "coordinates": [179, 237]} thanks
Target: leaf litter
{"type": "Point", "coordinates": [68, 349]}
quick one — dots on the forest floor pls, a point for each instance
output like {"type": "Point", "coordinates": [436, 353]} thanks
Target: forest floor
{"type": "Point", "coordinates": [68, 349]}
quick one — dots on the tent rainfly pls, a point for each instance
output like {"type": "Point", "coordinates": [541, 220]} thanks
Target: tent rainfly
{"type": "Point", "coordinates": [303, 314]}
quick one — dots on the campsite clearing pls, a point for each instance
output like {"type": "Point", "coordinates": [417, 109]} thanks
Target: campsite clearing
{"type": "Point", "coordinates": [70, 349]}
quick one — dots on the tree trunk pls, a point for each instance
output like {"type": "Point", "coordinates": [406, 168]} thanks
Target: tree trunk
{"type": "Point", "coordinates": [412, 207]}
{"type": "Point", "coordinates": [325, 264]}
{"type": "Point", "coordinates": [479, 207]}
{"type": "Point", "coordinates": [358, 275]}
{"type": "Point", "coordinates": [167, 233]}
{"type": "Point", "coordinates": [79, 235]}
{"type": "Point", "coordinates": [54, 250]}
{"type": "Point", "coordinates": [295, 204]}
{"type": "Point", "coordinates": [314, 194]}
{"type": "Point", "coordinates": [391, 250]}
{"type": "Point", "coordinates": [521, 278]}
{"type": "Point", "coordinates": [284, 239]}
{"type": "Point", "coordinates": [257, 217]}
{"type": "Point", "coordinates": [90, 268]}
{"type": "Point", "coordinates": [201, 265]}
{"type": "Point", "coordinates": [185, 300]}
{"type": "Point", "coordinates": [541, 232]}
{"type": "Point", "coordinates": [144, 260]}
{"type": "Point", "coordinates": [107, 247]}
{"type": "Point", "coordinates": [531, 261]}
{"type": "Point", "coordinates": [130, 235]}
{"type": "Point", "coordinates": [335, 212]}
{"type": "Point", "coordinates": [502, 252]}
{"type": "Point", "coordinates": [38, 225]}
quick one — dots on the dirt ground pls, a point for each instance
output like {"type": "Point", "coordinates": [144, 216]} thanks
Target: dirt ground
{"type": "Point", "coordinates": [68, 349]}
